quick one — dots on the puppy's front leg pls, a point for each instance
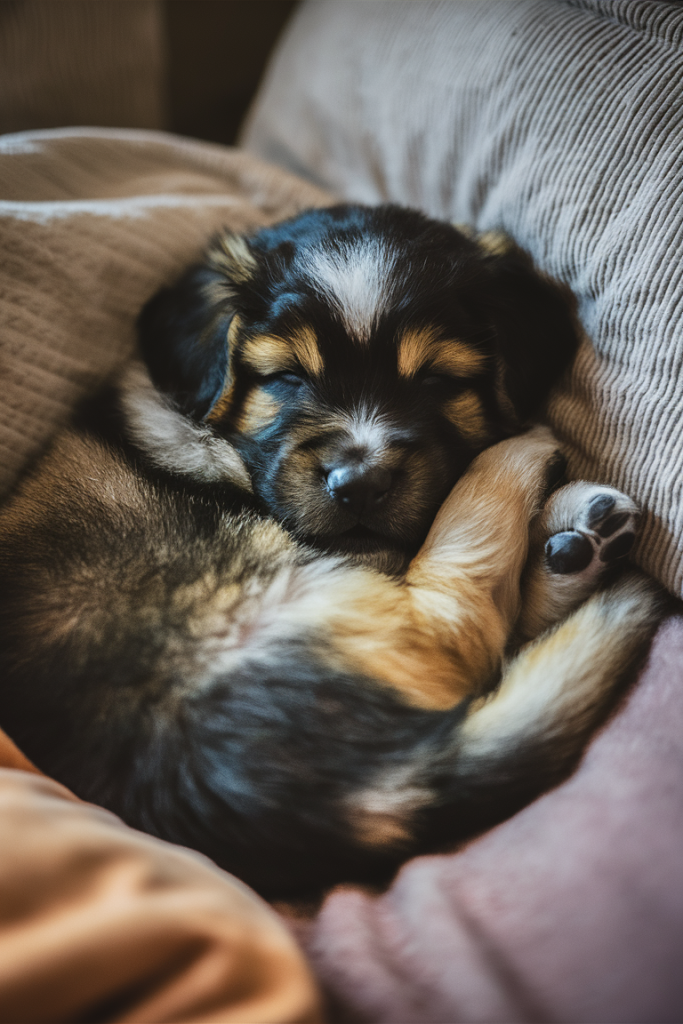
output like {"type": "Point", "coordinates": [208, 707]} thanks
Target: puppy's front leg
{"type": "Point", "coordinates": [439, 635]}
{"type": "Point", "coordinates": [464, 584]}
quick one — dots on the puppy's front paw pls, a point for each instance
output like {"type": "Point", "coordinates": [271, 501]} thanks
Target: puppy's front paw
{"type": "Point", "coordinates": [583, 530]}
{"type": "Point", "coordinates": [591, 526]}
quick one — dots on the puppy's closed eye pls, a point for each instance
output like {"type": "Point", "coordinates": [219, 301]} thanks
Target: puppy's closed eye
{"type": "Point", "coordinates": [442, 380]}
{"type": "Point", "coordinates": [287, 377]}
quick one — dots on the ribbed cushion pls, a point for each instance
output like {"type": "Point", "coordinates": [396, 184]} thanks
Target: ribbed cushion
{"type": "Point", "coordinates": [561, 123]}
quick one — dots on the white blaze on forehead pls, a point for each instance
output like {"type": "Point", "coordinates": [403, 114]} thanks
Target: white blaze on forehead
{"type": "Point", "coordinates": [357, 278]}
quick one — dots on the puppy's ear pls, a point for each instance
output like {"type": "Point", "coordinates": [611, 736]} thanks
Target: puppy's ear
{"type": "Point", "coordinates": [183, 330]}
{"type": "Point", "coordinates": [535, 326]}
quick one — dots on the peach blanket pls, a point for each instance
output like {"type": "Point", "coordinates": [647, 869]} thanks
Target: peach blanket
{"type": "Point", "coordinates": [99, 922]}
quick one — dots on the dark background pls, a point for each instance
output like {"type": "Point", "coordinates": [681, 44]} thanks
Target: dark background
{"type": "Point", "coordinates": [187, 66]}
{"type": "Point", "coordinates": [217, 51]}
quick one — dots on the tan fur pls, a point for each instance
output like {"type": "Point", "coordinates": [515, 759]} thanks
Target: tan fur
{"type": "Point", "coordinates": [441, 635]}
{"type": "Point", "coordinates": [456, 358]}
{"type": "Point", "coordinates": [496, 243]}
{"type": "Point", "coordinates": [380, 816]}
{"type": "Point", "coordinates": [258, 412]}
{"type": "Point", "coordinates": [373, 628]}
{"type": "Point", "coordinates": [555, 686]}
{"type": "Point", "coordinates": [467, 414]}
{"type": "Point", "coordinates": [424, 347]}
{"type": "Point", "coordinates": [305, 347]}
{"type": "Point", "coordinates": [266, 353]}
{"type": "Point", "coordinates": [465, 580]}
{"type": "Point", "coordinates": [377, 828]}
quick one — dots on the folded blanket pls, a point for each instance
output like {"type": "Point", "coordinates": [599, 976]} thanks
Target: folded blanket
{"type": "Point", "coordinates": [99, 922]}
{"type": "Point", "coordinates": [92, 222]}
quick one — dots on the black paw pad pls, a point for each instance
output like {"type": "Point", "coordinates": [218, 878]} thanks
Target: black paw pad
{"type": "Point", "coordinates": [618, 547]}
{"type": "Point", "coordinates": [599, 507]}
{"type": "Point", "coordinates": [568, 552]}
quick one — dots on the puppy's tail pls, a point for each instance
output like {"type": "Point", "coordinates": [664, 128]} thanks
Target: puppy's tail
{"type": "Point", "coordinates": [530, 733]}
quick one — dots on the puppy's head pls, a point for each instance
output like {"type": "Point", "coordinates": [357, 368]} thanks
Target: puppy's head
{"type": "Point", "coordinates": [358, 359]}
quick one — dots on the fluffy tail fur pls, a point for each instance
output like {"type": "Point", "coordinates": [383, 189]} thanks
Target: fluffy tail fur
{"type": "Point", "coordinates": [529, 734]}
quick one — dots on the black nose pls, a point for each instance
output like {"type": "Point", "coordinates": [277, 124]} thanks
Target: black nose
{"type": "Point", "coordinates": [357, 487]}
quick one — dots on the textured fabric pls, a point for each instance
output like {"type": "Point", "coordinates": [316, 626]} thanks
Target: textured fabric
{"type": "Point", "coordinates": [570, 911]}
{"type": "Point", "coordinates": [99, 922]}
{"type": "Point", "coordinates": [563, 125]}
{"type": "Point", "coordinates": [91, 224]}
{"type": "Point", "coordinates": [81, 63]}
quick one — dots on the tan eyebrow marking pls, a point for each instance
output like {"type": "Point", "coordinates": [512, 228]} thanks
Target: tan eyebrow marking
{"type": "Point", "coordinates": [467, 414]}
{"type": "Point", "coordinates": [305, 346]}
{"type": "Point", "coordinates": [458, 358]}
{"type": "Point", "coordinates": [413, 350]}
{"type": "Point", "coordinates": [422, 347]}
{"type": "Point", "coordinates": [258, 412]}
{"type": "Point", "coordinates": [268, 353]}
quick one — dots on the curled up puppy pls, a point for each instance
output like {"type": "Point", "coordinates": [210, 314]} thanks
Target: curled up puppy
{"type": "Point", "coordinates": [297, 591]}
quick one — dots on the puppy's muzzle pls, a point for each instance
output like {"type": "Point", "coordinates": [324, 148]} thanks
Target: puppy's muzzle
{"type": "Point", "coordinates": [357, 487]}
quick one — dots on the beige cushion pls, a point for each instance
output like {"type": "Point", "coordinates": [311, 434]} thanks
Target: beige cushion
{"type": "Point", "coordinates": [561, 123]}
{"type": "Point", "coordinates": [92, 222]}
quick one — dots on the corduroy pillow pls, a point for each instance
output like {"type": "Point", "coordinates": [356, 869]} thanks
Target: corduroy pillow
{"type": "Point", "coordinates": [561, 123]}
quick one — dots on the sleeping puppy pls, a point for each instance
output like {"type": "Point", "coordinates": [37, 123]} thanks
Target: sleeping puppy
{"type": "Point", "coordinates": [371, 353]}
{"type": "Point", "coordinates": [269, 596]}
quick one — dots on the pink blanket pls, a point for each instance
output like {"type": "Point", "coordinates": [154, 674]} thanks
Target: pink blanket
{"type": "Point", "coordinates": [570, 911]}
